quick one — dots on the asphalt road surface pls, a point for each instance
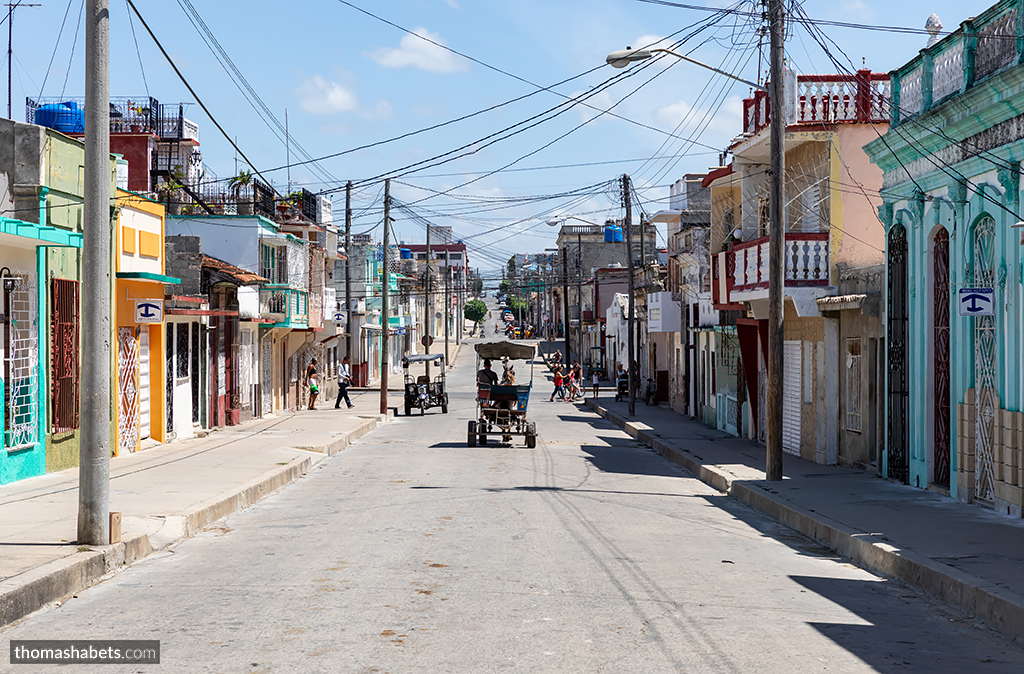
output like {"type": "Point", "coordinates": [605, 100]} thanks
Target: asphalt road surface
{"type": "Point", "coordinates": [410, 552]}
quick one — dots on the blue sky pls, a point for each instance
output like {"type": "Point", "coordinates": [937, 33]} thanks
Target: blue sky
{"type": "Point", "coordinates": [348, 79]}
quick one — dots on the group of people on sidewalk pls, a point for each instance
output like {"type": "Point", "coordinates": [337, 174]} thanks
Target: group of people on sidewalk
{"type": "Point", "coordinates": [312, 379]}
{"type": "Point", "coordinates": [569, 385]}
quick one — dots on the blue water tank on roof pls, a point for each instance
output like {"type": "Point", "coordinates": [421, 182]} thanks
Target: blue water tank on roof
{"type": "Point", "coordinates": [405, 253]}
{"type": "Point", "coordinates": [65, 117]}
{"type": "Point", "coordinates": [613, 234]}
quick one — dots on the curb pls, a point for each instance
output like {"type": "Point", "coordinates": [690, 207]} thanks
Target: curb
{"type": "Point", "coordinates": [58, 579]}
{"type": "Point", "coordinates": [985, 601]}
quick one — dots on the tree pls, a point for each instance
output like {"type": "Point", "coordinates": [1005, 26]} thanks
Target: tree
{"type": "Point", "coordinates": [475, 310]}
{"type": "Point", "coordinates": [519, 305]}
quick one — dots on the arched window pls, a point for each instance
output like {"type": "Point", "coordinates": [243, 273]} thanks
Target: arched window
{"type": "Point", "coordinates": [940, 360]}
{"type": "Point", "coordinates": [985, 377]}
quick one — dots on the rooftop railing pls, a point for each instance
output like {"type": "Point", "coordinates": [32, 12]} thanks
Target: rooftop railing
{"type": "Point", "coordinates": [980, 48]}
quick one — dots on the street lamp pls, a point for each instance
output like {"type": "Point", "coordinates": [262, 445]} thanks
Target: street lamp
{"type": "Point", "coordinates": [777, 130]}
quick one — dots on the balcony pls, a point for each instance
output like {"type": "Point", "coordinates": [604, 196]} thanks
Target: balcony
{"type": "Point", "coordinates": [826, 99]}
{"type": "Point", "coordinates": [741, 274]}
{"type": "Point", "coordinates": [283, 307]}
{"type": "Point", "coordinates": [980, 47]}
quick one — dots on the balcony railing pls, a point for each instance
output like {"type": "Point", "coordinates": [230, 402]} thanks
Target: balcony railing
{"type": "Point", "coordinates": [746, 267]}
{"type": "Point", "coordinates": [979, 48]}
{"type": "Point", "coordinates": [826, 99]}
{"type": "Point", "coordinates": [284, 305]}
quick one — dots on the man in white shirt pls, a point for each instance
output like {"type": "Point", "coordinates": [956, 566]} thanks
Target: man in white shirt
{"type": "Point", "coordinates": [344, 379]}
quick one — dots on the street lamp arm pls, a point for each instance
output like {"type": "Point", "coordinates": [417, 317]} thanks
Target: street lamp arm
{"type": "Point", "coordinates": [621, 59]}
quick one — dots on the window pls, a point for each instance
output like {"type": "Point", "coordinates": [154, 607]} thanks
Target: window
{"type": "Point", "coordinates": [811, 203]}
{"type": "Point", "coordinates": [853, 384]}
{"type": "Point", "coordinates": [763, 216]}
{"type": "Point", "coordinates": [64, 354]}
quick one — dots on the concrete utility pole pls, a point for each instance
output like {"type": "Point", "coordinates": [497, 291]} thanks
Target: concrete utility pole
{"type": "Point", "coordinates": [565, 305]}
{"type": "Point", "coordinates": [94, 455]}
{"type": "Point", "coordinates": [579, 296]}
{"type": "Point", "coordinates": [385, 323]}
{"type": "Point", "coordinates": [348, 273]}
{"type": "Point", "coordinates": [777, 136]}
{"type": "Point", "coordinates": [630, 317]}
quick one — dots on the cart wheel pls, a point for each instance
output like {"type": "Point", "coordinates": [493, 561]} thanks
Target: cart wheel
{"type": "Point", "coordinates": [471, 440]}
{"type": "Point", "coordinates": [444, 407]}
{"type": "Point", "coordinates": [531, 435]}
{"type": "Point", "coordinates": [408, 409]}
{"type": "Point", "coordinates": [531, 441]}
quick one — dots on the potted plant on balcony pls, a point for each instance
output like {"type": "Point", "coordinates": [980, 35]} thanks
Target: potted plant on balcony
{"type": "Point", "coordinates": [238, 184]}
{"type": "Point", "coordinates": [170, 194]}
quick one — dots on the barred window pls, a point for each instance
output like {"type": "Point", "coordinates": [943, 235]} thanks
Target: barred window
{"type": "Point", "coordinates": [64, 354]}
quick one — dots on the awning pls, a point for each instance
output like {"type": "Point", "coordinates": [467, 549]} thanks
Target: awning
{"type": "Point", "coordinates": [504, 349]}
{"type": "Point", "coordinates": [422, 358]}
{"type": "Point", "coordinates": [841, 302]}
{"type": "Point", "coordinates": [147, 277]}
{"type": "Point", "coordinates": [715, 175]}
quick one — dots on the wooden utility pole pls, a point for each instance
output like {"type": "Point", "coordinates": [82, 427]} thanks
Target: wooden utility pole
{"type": "Point", "coordinates": [579, 297]}
{"type": "Point", "coordinates": [777, 135]}
{"type": "Point", "coordinates": [630, 346]}
{"type": "Point", "coordinates": [348, 274]}
{"type": "Point", "coordinates": [447, 306]}
{"type": "Point", "coordinates": [430, 310]}
{"type": "Point", "coordinates": [385, 323]}
{"type": "Point", "coordinates": [11, 6]}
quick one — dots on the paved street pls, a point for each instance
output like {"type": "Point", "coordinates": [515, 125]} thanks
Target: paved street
{"type": "Point", "coordinates": [411, 552]}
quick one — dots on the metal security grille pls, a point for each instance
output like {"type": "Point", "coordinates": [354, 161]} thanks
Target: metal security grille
{"type": "Point", "coordinates": [128, 390]}
{"type": "Point", "coordinates": [21, 363]}
{"type": "Point", "coordinates": [853, 384]}
{"type": "Point", "coordinates": [64, 354]}
{"type": "Point", "coordinates": [941, 410]}
{"type": "Point", "coordinates": [246, 362]}
{"type": "Point", "coordinates": [267, 374]}
{"type": "Point", "coordinates": [899, 458]}
{"type": "Point", "coordinates": [984, 365]}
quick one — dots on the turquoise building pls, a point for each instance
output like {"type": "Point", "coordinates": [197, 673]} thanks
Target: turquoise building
{"type": "Point", "coordinates": [954, 309]}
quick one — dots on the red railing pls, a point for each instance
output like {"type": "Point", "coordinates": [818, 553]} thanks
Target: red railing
{"type": "Point", "coordinates": [827, 99]}
{"type": "Point", "coordinates": [806, 257]}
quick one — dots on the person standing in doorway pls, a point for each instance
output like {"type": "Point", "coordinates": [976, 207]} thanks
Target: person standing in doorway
{"type": "Point", "coordinates": [313, 381]}
{"type": "Point", "coordinates": [344, 381]}
{"type": "Point", "coordinates": [594, 383]}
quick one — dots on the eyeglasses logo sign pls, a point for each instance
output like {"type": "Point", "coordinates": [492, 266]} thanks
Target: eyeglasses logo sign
{"type": "Point", "coordinates": [149, 311]}
{"type": "Point", "coordinates": [976, 301]}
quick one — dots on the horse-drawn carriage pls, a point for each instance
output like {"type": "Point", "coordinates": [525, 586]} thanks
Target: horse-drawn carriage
{"type": "Point", "coordinates": [501, 408]}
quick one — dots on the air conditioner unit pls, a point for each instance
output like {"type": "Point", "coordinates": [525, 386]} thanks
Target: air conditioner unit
{"type": "Point", "coordinates": [358, 306]}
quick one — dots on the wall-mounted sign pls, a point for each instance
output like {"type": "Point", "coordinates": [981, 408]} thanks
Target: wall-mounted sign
{"type": "Point", "coordinates": [149, 311]}
{"type": "Point", "coordinates": [977, 301]}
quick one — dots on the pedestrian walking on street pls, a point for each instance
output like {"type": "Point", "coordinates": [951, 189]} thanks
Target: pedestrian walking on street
{"type": "Point", "coordinates": [593, 382]}
{"type": "Point", "coordinates": [559, 381]}
{"type": "Point", "coordinates": [344, 381]}
{"type": "Point", "coordinates": [312, 380]}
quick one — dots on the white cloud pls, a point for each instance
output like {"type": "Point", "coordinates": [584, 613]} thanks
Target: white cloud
{"type": "Point", "coordinates": [651, 42]}
{"type": "Point", "coordinates": [416, 52]}
{"type": "Point", "coordinates": [598, 102]}
{"type": "Point", "coordinates": [727, 121]}
{"type": "Point", "coordinates": [321, 97]}
{"type": "Point", "coordinates": [383, 110]}
{"type": "Point", "coordinates": [452, 3]}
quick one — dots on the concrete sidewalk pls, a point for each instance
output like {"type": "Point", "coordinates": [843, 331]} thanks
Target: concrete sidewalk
{"type": "Point", "coordinates": [965, 555]}
{"type": "Point", "coordinates": [165, 494]}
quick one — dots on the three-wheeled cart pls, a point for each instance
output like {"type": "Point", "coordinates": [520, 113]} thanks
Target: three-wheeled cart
{"type": "Point", "coordinates": [501, 410]}
{"type": "Point", "coordinates": [420, 391]}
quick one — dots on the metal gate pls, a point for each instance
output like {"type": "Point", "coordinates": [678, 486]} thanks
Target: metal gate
{"type": "Point", "coordinates": [898, 455]}
{"type": "Point", "coordinates": [245, 369]}
{"type": "Point", "coordinates": [267, 374]}
{"type": "Point", "coordinates": [984, 365]}
{"type": "Point", "coordinates": [940, 308]}
{"type": "Point", "coordinates": [128, 390]}
{"type": "Point", "coordinates": [64, 354]}
{"type": "Point", "coordinates": [145, 388]}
